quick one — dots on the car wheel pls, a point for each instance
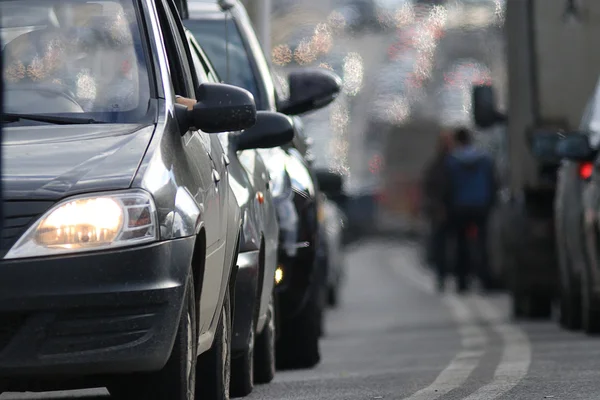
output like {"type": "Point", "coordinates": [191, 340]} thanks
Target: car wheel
{"type": "Point", "coordinates": [570, 308]}
{"type": "Point", "coordinates": [590, 308]}
{"type": "Point", "coordinates": [531, 307]}
{"type": "Point", "coordinates": [242, 370]}
{"type": "Point", "coordinates": [333, 296]}
{"type": "Point", "coordinates": [214, 372]}
{"type": "Point", "coordinates": [298, 346]}
{"type": "Point", "coordinates": [518, 306]}
{"type": "Point", "coordinates": [264, 356]}
{"type": "Point", "coordinates": [177, 380]}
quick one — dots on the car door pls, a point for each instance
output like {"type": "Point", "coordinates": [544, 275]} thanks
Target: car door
{"type": "Point", "coordinates": [217, 154]}
{"type": "Point", "coordinates": [199, 156]}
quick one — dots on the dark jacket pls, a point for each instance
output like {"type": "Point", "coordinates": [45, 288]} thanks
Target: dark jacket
{"type": "Point", "coordinates": [471, 180]}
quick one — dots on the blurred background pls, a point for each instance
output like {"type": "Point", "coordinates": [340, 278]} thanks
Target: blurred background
{"type": "Point", "coordinates": [408, 67]}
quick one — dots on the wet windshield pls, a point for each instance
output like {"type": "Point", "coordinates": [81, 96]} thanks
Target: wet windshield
{"type": "Point", "coordinates": [74, 58]}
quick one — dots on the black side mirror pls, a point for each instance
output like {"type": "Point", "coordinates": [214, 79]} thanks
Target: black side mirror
{"type": "Point", "coordinates": [330, 183]}
{"type": "Point", "coordinates": [484, 107]}
{"type": "Point", "coordinates": [272, 129]}
{"type": "Point", "coordinates": [220, 108]}
{"type": "Point", "coordinates": [575, 147]}
{"type": "Point", "coordinates": [310, 89]}
{"type": "Point", "coordinates": [543, 145]}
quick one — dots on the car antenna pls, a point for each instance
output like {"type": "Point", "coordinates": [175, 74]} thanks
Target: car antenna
{"type": "Point", "coordinates": [226, 6]}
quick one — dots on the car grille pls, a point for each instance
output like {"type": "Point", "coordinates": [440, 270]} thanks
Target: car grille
{"type": "Point", "coordinates": [18, 216]}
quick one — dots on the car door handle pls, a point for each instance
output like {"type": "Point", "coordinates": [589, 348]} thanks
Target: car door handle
{"type": "Point", "coordinates": [216, 175]}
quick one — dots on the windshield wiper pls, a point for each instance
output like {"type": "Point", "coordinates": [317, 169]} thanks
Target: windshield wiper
{"type": "Point", "coordinates": [51, 119]}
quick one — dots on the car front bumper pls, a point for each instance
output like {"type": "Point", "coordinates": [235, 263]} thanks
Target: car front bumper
{"type": "Point", "coordinates": [92, 314]}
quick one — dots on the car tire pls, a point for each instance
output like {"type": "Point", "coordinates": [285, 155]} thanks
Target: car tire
{"type": "Point", "coordinates": [242, 370]}
{"type": "Point", "coordinates": [531, 307]}
{"type": "Point", "coordinates": [570, 309]}
{"type": "Point", "coordinates": [298, 346]}
{"type": "Point", "coordinates": [264, 350]}
{"type": "Point", "coordinates": [590, 307]}
{"type": "Point", "coordinates": [214, 367]}
{"type": "Point", "coordinates": [333, 296]}
{"type": "Point", "coordinates": [177, 379]}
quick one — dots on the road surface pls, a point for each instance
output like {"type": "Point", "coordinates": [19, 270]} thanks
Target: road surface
{"type": "Point", "coordinates": [394, 337]}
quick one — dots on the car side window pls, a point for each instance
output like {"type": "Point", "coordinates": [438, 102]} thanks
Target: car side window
{"type": "Point", "coordinates": [198, 65]}
{"type": "Point", "coordinates": [210, 72]}
{"type": "Point", "coordinates": [181, 74]}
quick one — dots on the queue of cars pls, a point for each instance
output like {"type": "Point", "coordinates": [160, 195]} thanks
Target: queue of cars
{"type": "Point", "coordinates": [165, 234]}
{"type": "Point", "coordinates": [570, 162]}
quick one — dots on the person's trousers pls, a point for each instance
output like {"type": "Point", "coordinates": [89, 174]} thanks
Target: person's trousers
{"type": "Point", "coordinates": [469, 227]}
{"type": "Point", "coordinates": [439, 245]}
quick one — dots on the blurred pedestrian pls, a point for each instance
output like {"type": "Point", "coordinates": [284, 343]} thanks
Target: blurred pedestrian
{"type": "Point", "coordinates": [470, 189]}
{"type": "Point", "coordinates": [435, 208]}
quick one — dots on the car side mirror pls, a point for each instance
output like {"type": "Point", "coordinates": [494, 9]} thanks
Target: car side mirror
{"type": "Point", "coordinates": [272, 129]}
{"type": "Point", "coordinates": [575, 147]}
{"type": "Point", "coordinates": [330, 183]}
{"type": "Point", "coordinates": [219, 108]}
{"type": "Point", "coordinates": [310, 89]}
{"type": "Point", "coordinates": [484, 107]}
{"type": "Point", "coordinates": [543, 145]}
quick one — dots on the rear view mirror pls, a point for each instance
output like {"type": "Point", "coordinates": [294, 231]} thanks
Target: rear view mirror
{"type": "Point", "coordinates": [484, 107]}
{"type": "Point", "coordinates": [272, 129]}
{"type": "Point", "coordinates": [575, 147]}
{"type": "Point", "coordinates": [220, 108]}
{"type": "Point", "coordinates": [330, 183]}
{"type": "Point", "coordinates": [543, 146]}
{"type": "Point", "coordinates": [310, 89]}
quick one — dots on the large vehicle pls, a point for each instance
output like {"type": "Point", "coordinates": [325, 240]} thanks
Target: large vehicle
{"type": "Point", "coordinates": [552, 69]}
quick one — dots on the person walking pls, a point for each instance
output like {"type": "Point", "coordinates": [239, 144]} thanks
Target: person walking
{"type": "Point", "coordinates": [470, 193]}
{"type": "Point", "coordinates": [433, 191]}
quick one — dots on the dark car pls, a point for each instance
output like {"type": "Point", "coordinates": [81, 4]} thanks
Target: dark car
{"type": "Point", "coordinates": [253, 341]}
{"type": "Point", "coordinates": [231, 44]}
{"type": "Point", "coordinates": [332, 220]}
{"type": "Point", "coordinates": [122, 233]}
{"type": "Point", "coordinates": [577, 223]}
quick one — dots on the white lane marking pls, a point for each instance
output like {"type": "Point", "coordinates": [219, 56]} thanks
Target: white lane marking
{"type": "Point", "coordinates": [473, 341]}
{"type": "Point", "coordinates": [516, 356]}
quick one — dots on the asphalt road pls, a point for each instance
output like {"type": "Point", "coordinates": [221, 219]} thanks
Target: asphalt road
{"type": "Point", "coordinates": [394, 337]}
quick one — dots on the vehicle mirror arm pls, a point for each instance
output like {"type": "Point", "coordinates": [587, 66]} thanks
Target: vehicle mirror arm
{"type": "Point", "coordinates": [183, 118]}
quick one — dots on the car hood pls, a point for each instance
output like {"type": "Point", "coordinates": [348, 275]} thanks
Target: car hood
{"type": "Point", "coordinates": [49, 162]}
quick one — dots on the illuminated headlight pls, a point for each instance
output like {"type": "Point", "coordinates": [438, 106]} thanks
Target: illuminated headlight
{"type": "Point", "coordinates": [87, 223]}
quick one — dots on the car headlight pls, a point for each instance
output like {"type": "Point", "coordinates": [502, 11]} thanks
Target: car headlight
{"type": "Point", "coordinates": [87, 223]}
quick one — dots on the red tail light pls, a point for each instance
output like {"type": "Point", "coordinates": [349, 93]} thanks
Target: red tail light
{"type": "Point", "coordinates": [585, 170]}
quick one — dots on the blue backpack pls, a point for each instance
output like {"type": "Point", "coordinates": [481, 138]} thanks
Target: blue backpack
{"type": "Point", "coordinates": [471, 182]}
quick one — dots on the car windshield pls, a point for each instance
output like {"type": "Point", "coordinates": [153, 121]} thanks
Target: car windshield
{"type": "Point", "coordinates": [211, 35]}
{"type": "Point", "coordinates": [74, 58]}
